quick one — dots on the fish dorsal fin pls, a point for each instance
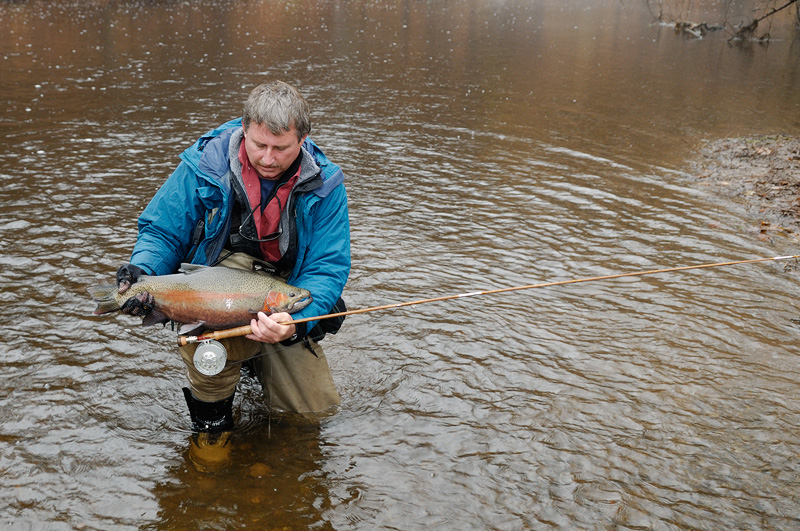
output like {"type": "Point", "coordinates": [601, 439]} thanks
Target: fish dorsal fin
{"type": "Point", "coordinates": [191, 268]}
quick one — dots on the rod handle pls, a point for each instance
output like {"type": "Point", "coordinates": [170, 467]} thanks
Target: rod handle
{"type": "Point", "coordinates": [216, 334]}
{"type": "Point", "coordinates": [232, 332]}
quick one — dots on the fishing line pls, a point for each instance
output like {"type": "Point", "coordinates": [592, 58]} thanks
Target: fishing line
{"type": "Point", "coordinates": [244, 330]}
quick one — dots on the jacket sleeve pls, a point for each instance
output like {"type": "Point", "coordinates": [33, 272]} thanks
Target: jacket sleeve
{"type": "Point", "coordinates": [167, 224]}
{"type": "Point", "coordinates": [325, 266]}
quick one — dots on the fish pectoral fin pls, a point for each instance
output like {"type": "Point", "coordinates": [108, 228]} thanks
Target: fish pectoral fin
{"type": "Point", "coordinates": [153, 318]}
{"type": "Point", "coordinates": [191, 329]}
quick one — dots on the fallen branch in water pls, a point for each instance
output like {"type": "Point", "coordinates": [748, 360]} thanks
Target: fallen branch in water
{"type": "Point", "coordinates": [696, 29]}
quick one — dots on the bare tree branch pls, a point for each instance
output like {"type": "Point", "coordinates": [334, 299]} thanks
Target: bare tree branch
{"type": "Point", "coordinates": [787, 4]}
{"type": "Point", "coordinates": [748, 31]}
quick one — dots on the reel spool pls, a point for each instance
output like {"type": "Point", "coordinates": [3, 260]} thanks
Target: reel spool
{"type": "Point", "coordinates": [210, 357]}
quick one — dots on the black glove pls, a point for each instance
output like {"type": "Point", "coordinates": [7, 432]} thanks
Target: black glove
{"type": "Point", "coordinates": [139, 305]}
{"type": "Point", "coordinates": [128, 275]}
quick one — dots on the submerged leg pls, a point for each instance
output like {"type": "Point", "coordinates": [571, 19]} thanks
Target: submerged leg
{"type": "Point", "coordinates": [212, 424]}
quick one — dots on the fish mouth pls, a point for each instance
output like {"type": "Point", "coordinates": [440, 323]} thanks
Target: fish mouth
{"type": "Point", "coordinates": [299, 304]}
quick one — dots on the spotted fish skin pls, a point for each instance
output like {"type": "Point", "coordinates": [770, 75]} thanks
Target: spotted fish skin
{"type": "Point", "coordinates": [217, 297]}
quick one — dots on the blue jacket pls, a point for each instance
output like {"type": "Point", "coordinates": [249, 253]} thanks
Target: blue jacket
{"type": "Point", "coordinates": [189, 218]}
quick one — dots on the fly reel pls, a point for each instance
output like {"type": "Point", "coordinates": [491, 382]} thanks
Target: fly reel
{"type": "Point", "coordinates": [210, 357]}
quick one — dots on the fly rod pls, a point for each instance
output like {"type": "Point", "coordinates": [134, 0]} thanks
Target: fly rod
{"type": "Point", "coordinates": [244, 330]}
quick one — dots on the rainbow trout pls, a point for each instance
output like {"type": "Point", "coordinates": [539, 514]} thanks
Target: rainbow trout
{"type": "Point", "coordinates": [213, 297]}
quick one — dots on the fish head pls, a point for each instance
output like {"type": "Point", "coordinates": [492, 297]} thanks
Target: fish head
{"type": "Point", "coordinates": [289, 301]}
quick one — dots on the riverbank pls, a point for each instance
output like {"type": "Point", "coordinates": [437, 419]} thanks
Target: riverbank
{"type": "Point", "coordinates": [762, 174]}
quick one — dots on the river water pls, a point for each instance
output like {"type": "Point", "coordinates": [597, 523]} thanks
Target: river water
{"type": "Point", "coordinates": [487, 144]}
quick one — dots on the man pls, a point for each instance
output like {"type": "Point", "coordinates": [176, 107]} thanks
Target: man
{"type": "Point", "coordinates": [255, 193]}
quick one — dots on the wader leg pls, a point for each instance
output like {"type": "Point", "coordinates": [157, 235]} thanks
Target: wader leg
{"type": "Point", "coordinates": [222, 385]}
{"type": "Point", "coordinates": [211, 417]}
{"type": "Point", "coordinates": [212, 424]}
{"type": "Point", "coordinates": [296, 380]}
{"type": "Point", "coordinates": [210, 403]}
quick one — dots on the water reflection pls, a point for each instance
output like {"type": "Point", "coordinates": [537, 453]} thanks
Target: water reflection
{"type": "Point", "coordinates": [274, 476]}
{"type": "Point", "coordinates": [488, 144]}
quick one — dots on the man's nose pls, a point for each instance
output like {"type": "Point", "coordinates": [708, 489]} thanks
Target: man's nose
{"type": "Point", "coordinates": [267, 157]}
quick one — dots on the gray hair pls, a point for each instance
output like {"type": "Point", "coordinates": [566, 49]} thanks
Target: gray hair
{"type": "Point", "coordinates": [278, 106]}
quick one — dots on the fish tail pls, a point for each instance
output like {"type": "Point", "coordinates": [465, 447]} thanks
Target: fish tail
{"type": "Point", "coordinates": [105, 297]}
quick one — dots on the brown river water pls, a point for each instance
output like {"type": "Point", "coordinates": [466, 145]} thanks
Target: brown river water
{"type": "Point", "coordinates": [487, 144]}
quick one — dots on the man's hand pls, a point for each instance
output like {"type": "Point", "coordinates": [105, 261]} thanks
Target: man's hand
{"type": "Point", "coordinates": [128, 275]}
{"type": "Point", "coordinates": [139, 305]}
{"type": "Point", "coordinates": [267, 330]}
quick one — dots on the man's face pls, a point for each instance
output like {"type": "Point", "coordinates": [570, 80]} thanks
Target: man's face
{"type": "Point", "coordinates": [268, 153]}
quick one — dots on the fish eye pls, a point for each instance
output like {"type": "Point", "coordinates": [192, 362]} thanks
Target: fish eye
{"type": "Point", "coordinates": [292, 294]}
